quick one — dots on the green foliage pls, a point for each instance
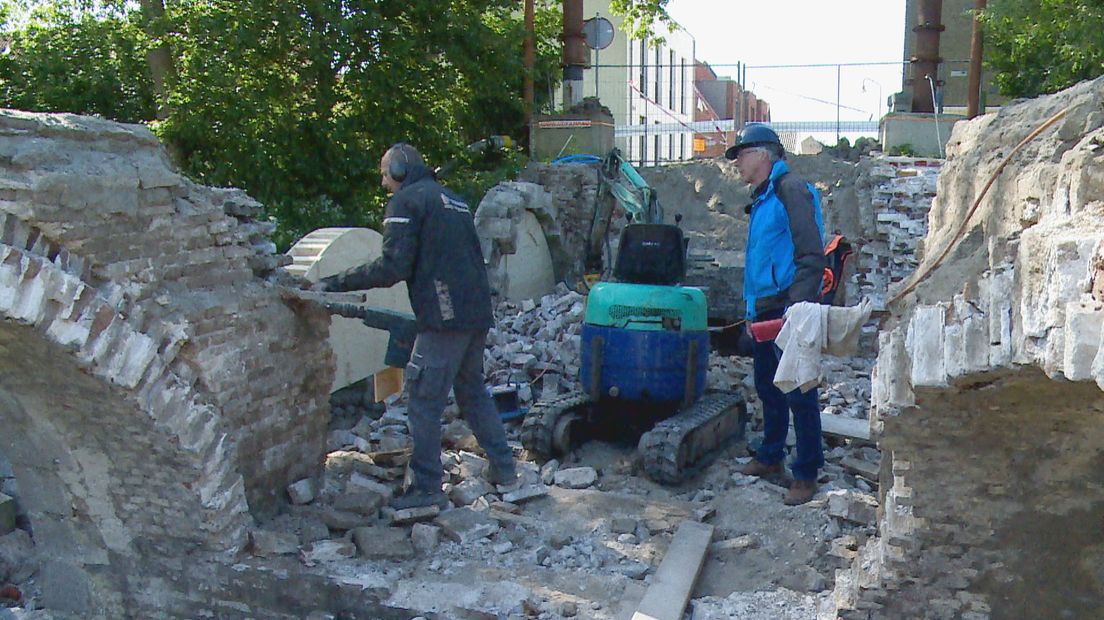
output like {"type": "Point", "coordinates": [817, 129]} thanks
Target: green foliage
{"type": "Point", "coordinates": [1043, 46]}
{"type": "Point", "coordinates": [62, 59]}
{"type": "Point", "coordinates": [293, 100]}
{"type": "Point", "coordinates": [641, 17]}
{"type": "Point", "coordinates": [844, 150]}
{"type": "Point", "coordinates": [904, 150]}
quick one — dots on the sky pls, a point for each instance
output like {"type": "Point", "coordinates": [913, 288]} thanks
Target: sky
{"type": "Point", "coordinates": [796, 32]}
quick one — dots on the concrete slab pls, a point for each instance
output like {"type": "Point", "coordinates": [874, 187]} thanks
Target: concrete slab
{"type": "Point", "coordinates": [383, 543]}
{"type": "Point", "coordinates": [465, 525]}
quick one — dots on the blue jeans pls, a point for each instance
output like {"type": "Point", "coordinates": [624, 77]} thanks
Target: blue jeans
{"type": "Point", "coordinates": [442, 361]}
{"type": "Point", "coordinates": [776, 417]}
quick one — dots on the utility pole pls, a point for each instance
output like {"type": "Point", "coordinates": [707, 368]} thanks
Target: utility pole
{"type": "Point", "coordinates": [973, 93]}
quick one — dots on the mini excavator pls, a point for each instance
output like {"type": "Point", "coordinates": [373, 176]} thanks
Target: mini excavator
{"type": "Point", "coordinates": [645, 347]}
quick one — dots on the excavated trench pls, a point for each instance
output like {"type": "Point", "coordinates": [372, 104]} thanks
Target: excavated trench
{"type": "Point", "coordinates": [1007, 474]}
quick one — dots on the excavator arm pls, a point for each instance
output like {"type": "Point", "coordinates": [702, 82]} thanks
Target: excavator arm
{"type": "Point", "coordinates": [620, 185]}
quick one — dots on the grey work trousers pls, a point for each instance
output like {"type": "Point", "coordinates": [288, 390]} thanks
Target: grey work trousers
{"type": "Point", "coordinates": [443, 360]}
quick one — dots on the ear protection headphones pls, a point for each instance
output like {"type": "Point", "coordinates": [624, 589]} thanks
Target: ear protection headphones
{"type": "Point", "coordinates": [397, 168]}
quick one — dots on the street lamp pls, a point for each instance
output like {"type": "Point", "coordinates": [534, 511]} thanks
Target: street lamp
{"type": "Point", "coordinates": [865, 80]}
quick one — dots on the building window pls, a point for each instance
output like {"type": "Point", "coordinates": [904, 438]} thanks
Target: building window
{"type": "Point", "coordinates": [643, 84]}
{"type": "Point", "coordinates": [682, 87]}
{"type": "Point", "coordinates": [682, 146]}
{"type": "Point", "coordinates": [671, 147]}
{"type": "Point", "coordinates": [671, 66]}
{"type": "Point", "coordinates": [655, 153]}
{"type": "Point", "coordinates": [643, 141]}
{"type": "Point", "coordinates": [657, 94]}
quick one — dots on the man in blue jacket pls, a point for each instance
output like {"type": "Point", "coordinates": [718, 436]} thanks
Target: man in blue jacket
{"type": "Point", "coordinates": [784, 265]}
{"type": "Point", "coordinates": [429, 241]}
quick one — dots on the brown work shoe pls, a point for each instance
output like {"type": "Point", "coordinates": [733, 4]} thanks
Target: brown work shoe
{"type": "Point", "coordinates": [800, 492]}
{"type": "Point", "coordinates": [759, 468]}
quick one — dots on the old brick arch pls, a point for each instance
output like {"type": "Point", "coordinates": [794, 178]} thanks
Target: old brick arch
{"type": "Point", "coordinates": [155, 391]}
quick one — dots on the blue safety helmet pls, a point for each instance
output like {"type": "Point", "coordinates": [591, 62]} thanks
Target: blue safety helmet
{"type": "Point", "coordinates": [756, 134]}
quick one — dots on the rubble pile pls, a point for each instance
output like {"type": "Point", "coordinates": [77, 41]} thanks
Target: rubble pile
{"type": "Point", "coordinates": [535, 344]}
{"type": "Point", "coordinates": [525, 534]}
{"type": "Point", "coordinates": [901, 190]}
{"type": "Point", "coordinates": [341, 524]}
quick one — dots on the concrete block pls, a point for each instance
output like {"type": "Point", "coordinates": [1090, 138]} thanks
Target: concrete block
{"type": "Point", "coordinates": [359, 483]}
{"type": "Point", "coordinates": [327, 551]}
{"type": "Point", "coordinates": [470, 490]}
{"type": "Point", "coordinates": [575, 477]}
{"type": "Point", "coordinates": [525, 493]}
{"type": "Point", "coordinates": [890, 384]}
{"type": "Point", "coordinates": [853, 506]}
{"type": "Point", "coordinates": [365, 503]}
{"type": "Point", "coordinates": [267, 544]}
{"type": "Point", "coordinates": [383, 543]}
{"type": "Point", "coordinates": [1083, 331]}
{"type": "Point", "coordinates": [413, 515]}
{"type": "Point", "coordinates": [954, 353]}
{"type": "Point", "coordinates": [425, 537]}
{"type": "Point", "coordinates": [924, 342]}
{"type": "Point", "coordinates": [464, 525]}
{"type": "Point", "coordinates": [623, 525]}
{"type": "Point", "coordinates": [975, 341]}
{"type": "Point", "coordinates": [301, 492]}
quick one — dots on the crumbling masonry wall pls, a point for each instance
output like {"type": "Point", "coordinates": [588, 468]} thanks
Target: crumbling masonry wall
{"type": "Point", "coordinates": [155, 390]}
{"type": "Point", "coordinates": [988, 384]}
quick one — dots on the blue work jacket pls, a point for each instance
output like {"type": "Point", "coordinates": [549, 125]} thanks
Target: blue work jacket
{"type": "Point", "coordinates": [784, 263]}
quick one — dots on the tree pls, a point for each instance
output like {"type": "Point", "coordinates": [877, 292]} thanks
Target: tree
{"type": "Point", "coordinates": [641, 16]}
{"type": "Point", "coordinates": [63, 57]}
{"type": "Point", "coordinates": [292, 100]}
{"type": "Point", "coordinates": [1043, 46]}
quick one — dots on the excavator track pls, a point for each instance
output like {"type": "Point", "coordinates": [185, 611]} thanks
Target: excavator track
{"type": "Point", "coordinates": [683, 444]}
{"type": "Point", "coordinates": [546, 430]}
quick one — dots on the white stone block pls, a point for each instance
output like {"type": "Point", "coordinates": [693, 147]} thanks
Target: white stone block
{"type": "Point", "coordinates": [1054, 346]}
{"type": "Point", "coordinates": [1084, 327]}
{"type": "Point", "coordinates": [954, 351]}
{"type": "Point", "coordinates": [30, 304]}
{"type": "Point", "coordinates": [131, 358]}
{"type": "Point", "coordinates": [890, 385]}
{"type": "Point", "coordinates": [925, 346]}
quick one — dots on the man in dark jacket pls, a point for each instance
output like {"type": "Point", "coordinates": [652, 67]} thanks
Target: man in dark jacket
{"type": "Point", "coordinates": [429, 240]}
{"type": "Point", "coordinates": [784, 265]}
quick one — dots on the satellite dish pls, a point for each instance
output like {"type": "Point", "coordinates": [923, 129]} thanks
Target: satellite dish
{"type": "Point", "coordinates": [599, 33]}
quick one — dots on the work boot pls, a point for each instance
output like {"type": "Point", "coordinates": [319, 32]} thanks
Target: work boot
{"type": "Point", "coordinates": [800, 492]}
{"type": "Point", "coordinates": [500, 477]}
{"type": "Point", "coordinates": [759, 468]}
{"type": "Point", "coordinates": [417, 498]}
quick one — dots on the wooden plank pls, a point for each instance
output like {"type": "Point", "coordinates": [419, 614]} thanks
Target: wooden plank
{"type": "Point", "coordinates": [851, 428]}
{"type": "Point", "coordinates": [670, 590]}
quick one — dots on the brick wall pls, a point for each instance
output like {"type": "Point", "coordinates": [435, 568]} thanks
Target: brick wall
{"type": "Point", "coordinates": [203, 392]}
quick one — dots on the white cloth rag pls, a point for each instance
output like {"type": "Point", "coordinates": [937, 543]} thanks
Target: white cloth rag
{"type": "Point", "coordinates": [811, 330]}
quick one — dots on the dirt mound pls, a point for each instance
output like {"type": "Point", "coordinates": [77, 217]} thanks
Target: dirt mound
{"type": "Point", "coordinates": [711, 198]}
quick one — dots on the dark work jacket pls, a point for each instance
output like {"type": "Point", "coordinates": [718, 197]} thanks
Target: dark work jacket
{"type": "Point", "coordinates": [785, 249]}
{"type": "Point", "coordinates": [429, 240]}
